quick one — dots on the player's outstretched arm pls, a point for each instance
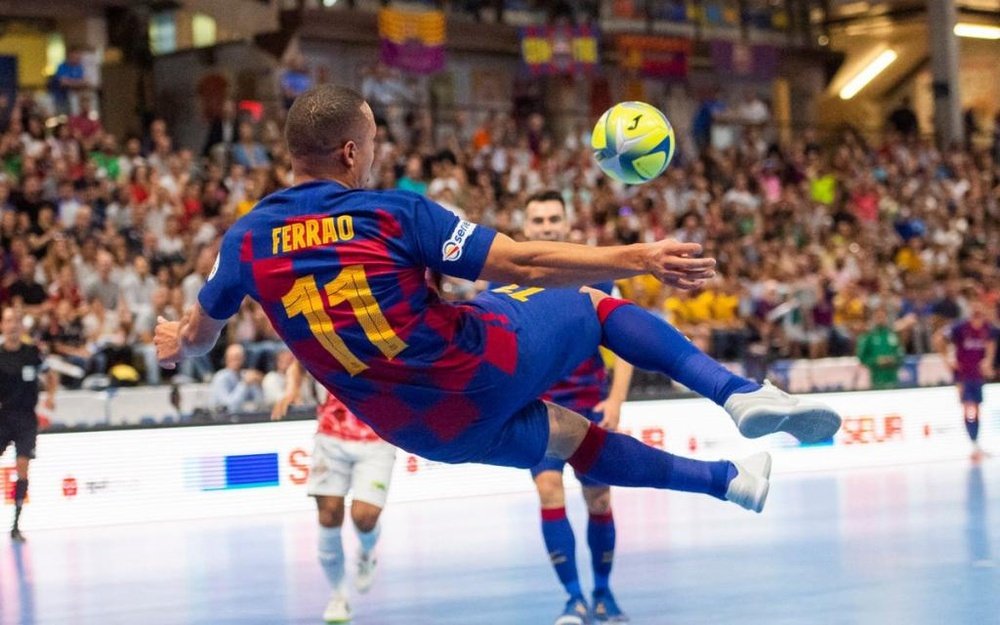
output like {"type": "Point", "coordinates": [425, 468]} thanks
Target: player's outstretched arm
{"type": "Point", "coordinates": [193, 335]}
{"type": "Point", "coordinates": [550, 263]}
{"type": "Point", "coordinates": [293, 384]}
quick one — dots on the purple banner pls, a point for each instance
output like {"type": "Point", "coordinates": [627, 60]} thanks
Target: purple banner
{"type": "Point", "coordinates": [743, 60]}
{"type": "Point", "coordinates": [413, 56]}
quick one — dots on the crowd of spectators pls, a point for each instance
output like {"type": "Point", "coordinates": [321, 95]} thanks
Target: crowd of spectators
{"type": "Point", "coordinates": [101, 235]}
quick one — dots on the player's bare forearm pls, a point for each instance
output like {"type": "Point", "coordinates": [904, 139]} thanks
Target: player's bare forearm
{"type": "Point", "coordinates": [293, 384]}
{"type": "Point", "coordinates": [611, 407]}
{"type": "Point", "coordinates": [988, 359]}
{"type": "Point", "coordinates": [293, 381]}
{"type": "Point", "coordinates": [193, 335]}
{"type": "Point", "coordinates": [51, 385]}
{"type": "Point", "coordinates": [550, 263]}
{"type": "Point", "coordinates": [621, 381]}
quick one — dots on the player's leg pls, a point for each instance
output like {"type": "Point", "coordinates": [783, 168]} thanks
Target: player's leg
{"type": "Point", "coordinates": [20, 489]}
{"type": "Point", "coordinates": [331, 556]}
{"type": "Point", "coordinates": [620, 460]}
{"type": "Point", "coordinates": [601, 540]}
{"type": "Point", "coordinates": [329, 481]}
{"type": "Point", "coordinates": [371, 476]}
{"type": "Point", "coordinates": [24, 447]}
{"type": "Point", "coordinates": [972, 397]}
{"type": "Point", "coordinates": [559, 539]}
{"type": "Point", "coordinates": [649, 342]}
{"type": "Point", "coordinates": [5, 441]}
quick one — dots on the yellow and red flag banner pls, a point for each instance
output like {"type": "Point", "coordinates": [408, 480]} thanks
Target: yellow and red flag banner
{"type": "Point", "coordinates": [413, 41]}
{"type": "Point", "coordinates": [560, 49]}
{"type": "Point", "coordinates": [654, 56]}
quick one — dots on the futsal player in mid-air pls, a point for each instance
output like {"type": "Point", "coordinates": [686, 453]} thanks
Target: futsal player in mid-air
{"type": "Point", "coordinates": [969, 347]}
{"type": "Point", "coordinates": [340, 272]}
{"type": "Point", "coordinates": [584, 391]}
{"type": "Point", "coordinates": [347, 457]}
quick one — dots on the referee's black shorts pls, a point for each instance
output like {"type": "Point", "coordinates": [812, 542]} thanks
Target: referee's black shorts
{"type": "Point", "coordinates": [22, 431]}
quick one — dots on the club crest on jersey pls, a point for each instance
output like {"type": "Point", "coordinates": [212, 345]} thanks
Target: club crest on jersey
{"type": "Point", "coordinates": [452, 249]}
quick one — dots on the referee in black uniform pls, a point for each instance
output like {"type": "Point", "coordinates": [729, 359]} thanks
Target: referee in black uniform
{"type": "Point", "coordinates": [20, 370]}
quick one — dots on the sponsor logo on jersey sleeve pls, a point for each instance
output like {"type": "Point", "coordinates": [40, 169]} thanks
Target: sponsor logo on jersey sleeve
{"type": "Point", "coordinates": [453, 247]}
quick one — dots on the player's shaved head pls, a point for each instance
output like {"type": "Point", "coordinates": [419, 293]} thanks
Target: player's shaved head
{"type": "Point", "coordinates": [330, 131]}
{"type": "Point", "coordinates": [322, 119]}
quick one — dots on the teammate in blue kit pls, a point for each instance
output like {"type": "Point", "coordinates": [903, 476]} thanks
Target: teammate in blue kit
{"type": "Point", "coordinates": [974, 343]}
{"type": "Point", "coordinates": [584, 391]}
{"type": "Point", "coordinates": [339, 271]}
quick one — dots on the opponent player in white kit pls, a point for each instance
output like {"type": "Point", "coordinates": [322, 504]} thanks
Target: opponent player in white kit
{"type": "Point", "coordinates": [348, 457]}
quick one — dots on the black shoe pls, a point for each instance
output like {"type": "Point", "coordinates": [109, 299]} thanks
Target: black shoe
{"type": "Point", "coordinates": [17, 536]}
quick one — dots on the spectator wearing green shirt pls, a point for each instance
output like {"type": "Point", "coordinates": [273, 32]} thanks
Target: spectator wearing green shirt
{"type": "Point", "coordinates": [413, 178]}
{"type": "Point", "coordinates": [881, 351]}
{"type": "Point", "coordinates": [107, 157]}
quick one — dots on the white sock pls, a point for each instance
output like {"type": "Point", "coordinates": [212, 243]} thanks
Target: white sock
{"type": "Point", "coordinates": [331, 556]}
{"type": "Point", "coordinates": [368, 539]}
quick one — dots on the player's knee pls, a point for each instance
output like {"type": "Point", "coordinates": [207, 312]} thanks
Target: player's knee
{"type": "Point", "coordinates": [567, 430]}
{"type": "Point", "coordinates": [330, 511]}
{"type": "Point", "coordinates": [365, 516]}
{"type": "Point", "coordinates": [550, 489]}
{"type": "Point", "coordinates": [971, 412]}
{"type": "Point", "coordinates": [21, 466]}
{"type": "Point", "coordinates": [596, 295]}
{"type": "Point", "coordinates": [598, 500]}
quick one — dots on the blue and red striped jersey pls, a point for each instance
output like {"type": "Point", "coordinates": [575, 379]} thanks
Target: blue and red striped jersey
{"type": "Point", "coordinates": [340, 273]}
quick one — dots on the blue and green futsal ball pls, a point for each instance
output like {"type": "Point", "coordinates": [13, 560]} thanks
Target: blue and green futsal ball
{"type": "Point", "coordinates": [633, 142]}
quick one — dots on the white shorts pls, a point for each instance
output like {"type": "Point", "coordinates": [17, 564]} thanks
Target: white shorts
{"type": "Point", "coordinates": [339, 466]}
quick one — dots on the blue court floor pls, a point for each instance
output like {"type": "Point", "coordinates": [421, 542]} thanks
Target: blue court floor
{"type": "Point", "coordinates": [910, 545]}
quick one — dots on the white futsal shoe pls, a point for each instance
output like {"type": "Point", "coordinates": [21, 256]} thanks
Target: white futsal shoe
{"type": "Point", "coordinates": [337, 610]}
{"type": "Point", "coordinates": [770, 409]}
{"type": "Point", "coordinates": [366, 572]}
{"type": "Point", "coordinates": [752, 482]}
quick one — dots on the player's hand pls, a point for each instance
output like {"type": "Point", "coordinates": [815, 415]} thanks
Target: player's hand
{"type": "Point", "coordinates": [678, 264]}
{"type": "Point", "coordinates": [988, 371]}
{"type": "Point", "coordinates": [49, 403]}
{"type": "Point", "coordinates": [167, 339]}
{"type": "Point", "coordinates": [612, 411]}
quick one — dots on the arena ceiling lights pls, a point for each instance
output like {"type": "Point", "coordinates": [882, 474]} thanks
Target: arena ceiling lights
{"type": "Point", "coordinates": [977, 31]}
{"type": "Point", "coordinates": [868, 74]}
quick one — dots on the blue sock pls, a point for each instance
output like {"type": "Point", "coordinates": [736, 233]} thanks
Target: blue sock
{"type": "Point", "coordinates": [620, 460]}
{"type": "Point", "coordinates": [601, 538]}
{"type": "Point", "coordinates": [331, 555]}
{"type": "Point", "coordinates": [561, 543]}
{"type": "Point", "coordinates": [368, 539]}
{"type": "Point", "coordinates": [651, 343]}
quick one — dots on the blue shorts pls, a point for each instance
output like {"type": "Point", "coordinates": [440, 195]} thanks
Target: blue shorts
{"type": "Point", "coordinates": [971, 392]}
{"type": "Point", "coordinates": [556, 330]}
{"type": "Point", "coordinates": [549, 463]}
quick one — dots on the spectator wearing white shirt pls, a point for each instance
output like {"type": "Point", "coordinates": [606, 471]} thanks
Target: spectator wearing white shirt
{"type": "Point", "coordinates": [138, 285]}
{"type": "Point", "coordinates": [192, 284]}
{"type": "Point", "coordinates": [753, 111]}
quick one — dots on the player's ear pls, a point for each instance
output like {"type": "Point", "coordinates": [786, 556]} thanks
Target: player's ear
{"type": "Point", "coordinates": [350, 153]}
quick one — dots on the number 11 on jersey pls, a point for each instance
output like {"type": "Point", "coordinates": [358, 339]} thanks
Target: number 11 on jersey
{"type": "Point", "coordinates": [350, 285]}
